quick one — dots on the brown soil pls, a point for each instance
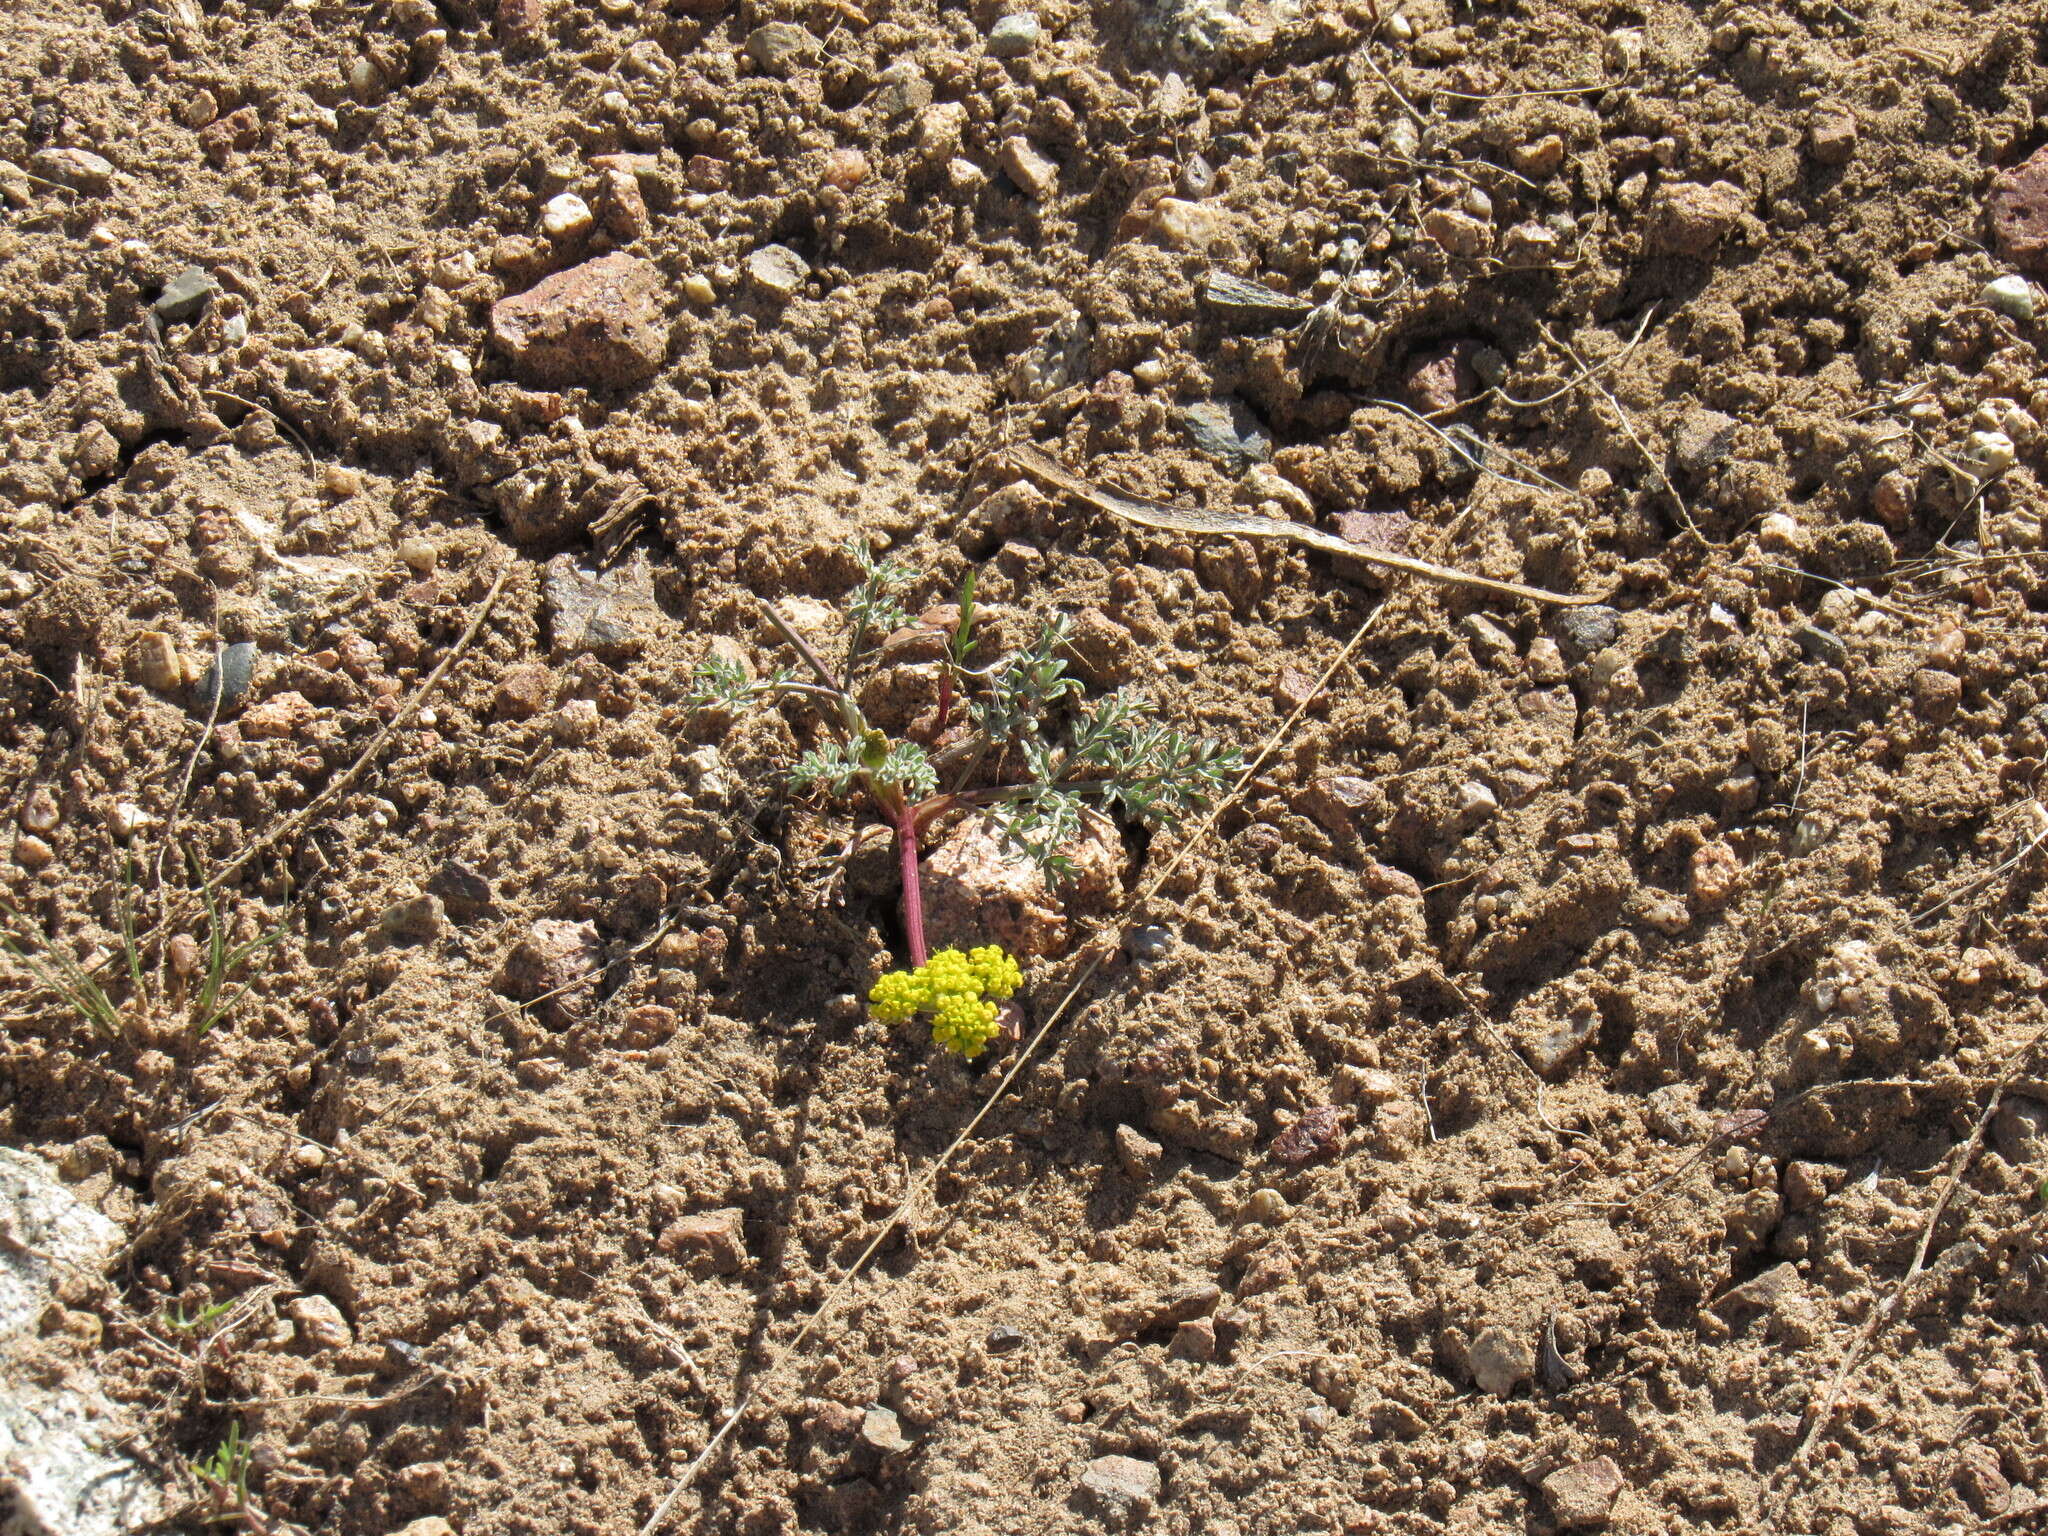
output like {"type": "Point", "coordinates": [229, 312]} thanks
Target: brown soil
{"type": "Point", "coordinates": [1753, 899]}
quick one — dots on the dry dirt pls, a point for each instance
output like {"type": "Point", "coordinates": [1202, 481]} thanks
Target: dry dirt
{"type": "Point", "coordinates": [1660, 961]}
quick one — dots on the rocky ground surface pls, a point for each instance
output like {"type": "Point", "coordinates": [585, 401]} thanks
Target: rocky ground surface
{"type": "Point", "coordinates": [1586, 1079]}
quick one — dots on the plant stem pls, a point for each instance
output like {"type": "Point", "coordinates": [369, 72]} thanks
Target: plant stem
{"type": "Point", "coordinates": [913, 890]}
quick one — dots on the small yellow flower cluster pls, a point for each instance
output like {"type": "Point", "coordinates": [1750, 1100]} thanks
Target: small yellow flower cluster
{"type": "Point", "coordinates": [951, 986]}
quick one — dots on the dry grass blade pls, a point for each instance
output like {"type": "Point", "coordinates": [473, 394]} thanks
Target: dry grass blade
{"type": "Point", "coordinates": [1890, 1307]}
{"type": "Point", "coordinates": [1146, 513]}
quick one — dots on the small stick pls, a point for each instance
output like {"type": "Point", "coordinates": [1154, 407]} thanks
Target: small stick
{"type": "Point", "coordinates": [412, 706]}
{"type": "Point", "coordinates": [1881, 1315]}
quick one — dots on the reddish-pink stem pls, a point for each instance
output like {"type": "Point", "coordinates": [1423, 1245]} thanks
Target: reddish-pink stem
{"type": "Point", "coordinates": [913, 891]}
{"type": "Point", "coordinates": [945, 703]}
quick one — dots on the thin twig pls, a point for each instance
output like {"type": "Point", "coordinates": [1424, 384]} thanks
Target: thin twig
{"type": "Point", "coordinates": [1883, 1314]}
{"type": "Point", "coordinates": [296, 823]}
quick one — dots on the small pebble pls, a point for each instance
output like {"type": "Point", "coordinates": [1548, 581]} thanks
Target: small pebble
{"type": "Point", "coordinates": [40, 813]}
{"type": "Point", "coordinates": [778, 270]}
{"type": "Point", "coordinates": [698, 290]}
{"type": "Point", "coordinates": [2010, 295]}
{"type": "Point", "coordinates": [1779, 532]}
{"type": "Point", "coordinates": [1266, 1206]}
{"type": "Point", "coordinates": [420, 555]}
{"type": "Point", "coordinates": [844, 169]}
{"type": "Point", "coordinates": [1013, 36]}
{"type": "Point", "coordinates": [1034, 175]}
{"type": "Point", "coordinates": [1150, 943]}
{"type": "Point", "coordinates": [1988, 454]}
{"type": "Point", "coordinates": [127, 819]}
{"type": "Point", "coordinates": [1002, 1340]}
{"type": "Point", "coordinates": [566, 217]}
{"type": "Point", "coordinates": [32, 853]}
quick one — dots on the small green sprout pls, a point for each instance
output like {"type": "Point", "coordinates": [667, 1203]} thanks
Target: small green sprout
{"type": "Point", "coordinates": [175, 1318]}
{"type": "Point", "coordinates": [953, 987]}
{"type": "Point", "coordinates": [226, 1474]}
{"type": "Point", "coordinates": [82, 990]}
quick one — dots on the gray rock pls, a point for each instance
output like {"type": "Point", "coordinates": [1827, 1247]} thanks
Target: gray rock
{"type": "Point", "coordinates": [61, 1476]}
{"type": "Point", "coordinates": [1205, 38]}
{"type": "Point", "coordinates": [1551, 1051]}
{"type": "Point", "coordinates": [416, 920]}
{"type": "Point", "coordinates": [1582, 631]}
{"type": "Point", "coordinates": [184, 297]}
{"type": "Point", "coordinates": [463, 892]}
{"type": "Point", "coordinates": [902, 89]}
{"type": "Point", "coordinates": [1772, 1291]}
{"type": "Point", "coordinates": [79, 169]}
{"type": "Point", "coordinates": [1136, 1153]}
{"type": "Point", "coordinates": [1702, 440]}
{"type": "Point", "coordinates": [1501, 1359]}
{"type": "Point", "coordinates": [1121, 1488]}
{"type": "Point", "coordinates": [2020, 1132]}
{"type": "Point", "coordinates": [1150, 943]}
{"type": "Point", "coordinates": [1822, 645]}
{"type": "Point", "coordinates": [778, 270]}
{"type": "Point", "coordinates": [1226, 429]}
{"type": "Point", "coordinates": [781, 46]}
{"type": "Point", "coordinates": [1013, 36]}
{"type": "Point", "coordinates": [1003, 1338]}
{"type": "Point", "coordinates": [610, 614]}
{"type": "Point", "coordinates": [228, 678]}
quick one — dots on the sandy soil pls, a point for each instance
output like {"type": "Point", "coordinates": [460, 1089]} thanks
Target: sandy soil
{"type": "Point", "coordinates": [1663, 962]}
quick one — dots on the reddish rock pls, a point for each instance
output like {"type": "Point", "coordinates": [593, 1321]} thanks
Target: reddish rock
{"type": "Point", "coordinates": [1318, 1133]}
{"type": "Point", "coordinates": [622, 207]}
{"type": "Point", "coordinates": [278, 718]}
{"type": "Point", "coordinates": [555, 968]}
{"type": "Point", "coordinates": [1687, 219]}
{"type": "Point", "coordinates": [1582, 1495]}
{"type": "Point", "coordinates": [522, 693]}
{"type": "Point", "coordinates": [1439, 380]}
{"type": "Point", "coordinates": [713, 1241]}
{"type": "Point", "coordinates": [238, 130]}
{"type": "Point", "coordinates": [2019, 213]}
{"type": "Point", "coordinates": [599, 325]}
{"type": "Point", "coordinates": [708, 173]}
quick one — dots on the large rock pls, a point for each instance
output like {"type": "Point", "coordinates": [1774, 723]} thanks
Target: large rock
{"type": "Point", "coordinates": [1123, 1489]}
{"type": "Point", "coordinates": [60, 1473]}
{"type": "Point", "coordinates": [600, 325]}
{"type": "Point", "coordinates": [980, 888]}
{"type": "Point", "coordinates": [2019, 213]}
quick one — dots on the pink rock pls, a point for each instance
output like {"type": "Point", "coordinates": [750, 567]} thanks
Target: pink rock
{"type": "Point", "coordinates": [1687, 219]}
{"type": "Point", "coordinates": [278, 718]}
{"type": "Point", "coordinates": [599, 325]}
{"type": "Point", "coordinates": [1441, 379]}
{"type": "Point", "coordinates": [713, 1241]}
{"type": "Point", "coordinates": [980, 890]}
{"type": "Point", "coordinates": [555, 968]}
{"type": "Point", "coordinates": [2019, 213]}
{"type": "Point", "coordinates": [1582, 1495]}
